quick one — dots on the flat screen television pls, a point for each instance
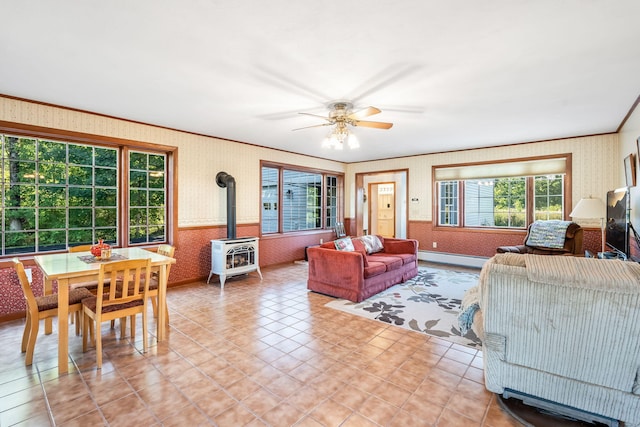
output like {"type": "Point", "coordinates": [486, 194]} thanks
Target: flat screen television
{"type": "Point", "coordinates": [617, 228]}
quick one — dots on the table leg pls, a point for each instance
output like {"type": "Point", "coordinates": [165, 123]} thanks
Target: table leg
{"type": "Point", "coordinates": [48, 322]}
{"type": "Point", "coordinates": [63, 326]}
{"type": "Point", "coordinates": [162, 303]}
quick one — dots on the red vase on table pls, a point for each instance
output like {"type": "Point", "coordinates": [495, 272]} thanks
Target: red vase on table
{"type": "Point", "coordinates": [96, 250]}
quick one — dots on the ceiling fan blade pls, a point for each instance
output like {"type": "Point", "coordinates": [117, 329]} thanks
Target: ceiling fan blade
{"type": "Point", "coordinates": [321, 117]}
{"type": "Point", "coordinates": [365, 112]}
{"type": "Point", "coordinates": [314, 126]}
{"type": "Point", "coordinates": [377, 125]}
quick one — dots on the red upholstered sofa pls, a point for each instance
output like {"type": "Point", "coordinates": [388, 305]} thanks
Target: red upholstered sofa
{"type": "Point", "coordinates": [356, 275]}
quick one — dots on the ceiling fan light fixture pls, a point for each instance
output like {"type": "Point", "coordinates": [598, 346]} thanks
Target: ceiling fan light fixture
{"type": "Point", "coordinates": [332, 141]}
{"type": "Point", "coordinates": [353, 141]}
{"type": "Point", "coordinates": [339, 136]}
{"type": "Point", "coordinates": [337, 141]}
{"type": "Point", "coordinates": [340, 118]}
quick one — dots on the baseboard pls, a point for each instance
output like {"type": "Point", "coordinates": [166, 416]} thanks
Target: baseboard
{"type": "Point", "coordinates": [12, 316]}
{"type": "Point", "coordinates": [455, 259]}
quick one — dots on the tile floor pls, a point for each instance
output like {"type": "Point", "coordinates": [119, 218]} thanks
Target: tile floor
{"type": "Point", "coordinates": [261, 353]}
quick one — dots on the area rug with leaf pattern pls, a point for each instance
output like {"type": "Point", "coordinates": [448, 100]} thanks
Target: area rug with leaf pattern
{"type": "Point", "coordinates": [428, 303]}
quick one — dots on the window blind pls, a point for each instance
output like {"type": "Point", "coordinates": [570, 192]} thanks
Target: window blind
{"type": "Point", "coordinates": [551, 166]}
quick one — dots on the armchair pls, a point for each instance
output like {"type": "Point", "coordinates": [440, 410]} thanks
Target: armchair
{"type": "Point", "coordinates": [561, 331]}
{"type": "Point", "coordinates": [541, 231]}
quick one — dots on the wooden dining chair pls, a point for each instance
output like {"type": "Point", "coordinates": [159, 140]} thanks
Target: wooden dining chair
{"type": "Point", "coordinates": [118, 302]}
{"type": "Point", "coordinates": [92, 285]}
{"type": "Point", "coordinates": [43, 307]}
{"type": "Point", "coordinates": [166, 250]}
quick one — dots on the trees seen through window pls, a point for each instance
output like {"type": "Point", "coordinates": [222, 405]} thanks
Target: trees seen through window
{"type": "Point", "coordinates": [57, 194]}
{"type": "Point", "coordinates": [501, 202]}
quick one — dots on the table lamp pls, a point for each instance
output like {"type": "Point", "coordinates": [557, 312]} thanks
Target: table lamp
{"type": "Point", "coordinates": [591, 208]}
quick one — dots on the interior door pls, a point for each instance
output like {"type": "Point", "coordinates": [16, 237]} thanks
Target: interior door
{"type": "Point", "coordinates": [364, 197]}
{"type": "Point", "coordinates": [382, 209]}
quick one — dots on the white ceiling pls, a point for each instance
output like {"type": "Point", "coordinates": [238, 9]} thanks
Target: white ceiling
{"type": "Point", "coordinates": [449, 74]}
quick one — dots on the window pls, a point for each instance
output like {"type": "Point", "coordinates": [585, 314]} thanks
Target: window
{"type": "Point", "coordinates": [57, 194]}
{"type": "Point", "coordinates": [270, 197]}
{"type": "Point", "coordinates": [147, 197]}
{"type": "Point", "coordinates": [448, 203]}
{"type": "Point", "coordinates": [301, 201]}
{"type": "Point", "coordinates": [549, 197]}
{"type": "Point", "coordinates": [297, 199]}
{"type": "Point", "coordinates": [498, 202]}
{"type": "Point", "coordinates": [509, 201]}
{"type": "Point", "coordinates": [331, 216]}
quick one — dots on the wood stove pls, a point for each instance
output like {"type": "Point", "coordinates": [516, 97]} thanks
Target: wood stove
{"type": "Point", "coordinates": [231, 257]}
{"type": "Point", "coordinates": [234, 255]}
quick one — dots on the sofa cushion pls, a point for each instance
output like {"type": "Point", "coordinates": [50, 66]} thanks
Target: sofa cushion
{"type": "Point", "coordinates": [374, 269]}
{"type": "Point", "coordinates": [391, 262]}
{"type": "Point", "coordinates": [406, 258]}
{"type": "Point", "coordinates": [400, 246]}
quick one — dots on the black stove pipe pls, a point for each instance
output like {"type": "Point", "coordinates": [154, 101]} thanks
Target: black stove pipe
{"type": "Point", "coordinates": [224, 180]}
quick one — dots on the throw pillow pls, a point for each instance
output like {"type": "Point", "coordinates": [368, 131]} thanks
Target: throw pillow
{"type": "Point", "coordinates": [344, 244]}
{"type": "Point", "coordinates": [372, 243]}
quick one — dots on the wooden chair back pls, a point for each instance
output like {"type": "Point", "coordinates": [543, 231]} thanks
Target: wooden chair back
{"type": "Point", "coordinates": [133, 274]}
{"type": "Point", "coordinates": [167, 250]}
{"type": "Point", "coordinates": [79, 248]}
{"type": "Point", "coordinates": [30, 298]}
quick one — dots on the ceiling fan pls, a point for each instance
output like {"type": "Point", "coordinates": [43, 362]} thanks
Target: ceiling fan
{"type": "Point", "coordinates": [341, 115]}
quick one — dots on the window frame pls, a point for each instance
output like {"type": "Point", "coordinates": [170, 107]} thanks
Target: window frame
{"type": "Point", "coordinates": [529, 196]}
{"type": "Point", "coordinates": [149, 189]}
{"type": "Point", "coordinates": [123, 146]}
{"type": "Point", "coordinates": [324, 209]}
{"type": "Point", "coordinates": [452, 187]}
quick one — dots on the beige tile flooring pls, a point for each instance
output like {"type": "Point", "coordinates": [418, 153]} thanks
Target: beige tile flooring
{"type": "Point", "coordinates": [260, 353]}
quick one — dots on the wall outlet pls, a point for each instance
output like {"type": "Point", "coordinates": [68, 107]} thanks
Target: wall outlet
{"type": "Point", "coordinates": [321, 241]}
{"type": "Point", "coordinates": [435, 244]}
{"type": "Point", "coordinates": [29, 275]}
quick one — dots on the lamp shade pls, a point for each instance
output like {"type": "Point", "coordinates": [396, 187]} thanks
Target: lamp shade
{"type": "Point", "coordinates": [589, 208]}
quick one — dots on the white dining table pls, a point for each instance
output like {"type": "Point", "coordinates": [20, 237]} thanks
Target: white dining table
{"type": "Point", "coordinates": [69, 268]}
